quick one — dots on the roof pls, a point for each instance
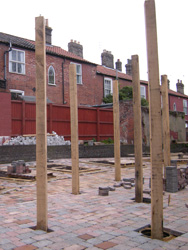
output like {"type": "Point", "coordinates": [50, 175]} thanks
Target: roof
{"type": "Point", "coordinates": [171, 92]}
{"type": "Point", "coordinates": [29, 44]}
{"type": "Point", "coordinates": [115, 73]}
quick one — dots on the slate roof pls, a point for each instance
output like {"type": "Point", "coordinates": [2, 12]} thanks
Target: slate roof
{"type": "Point", "coordinates": [29, 44]}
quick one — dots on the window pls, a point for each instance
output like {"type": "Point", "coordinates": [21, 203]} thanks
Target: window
{"type": "Point", "coordinates": [143, 91]}
{"type": "Point", "coordinates": [51, 76]}
{"type": "Point", "coordinates": [17, 61]}
{"type": "Point", "coordinates": [185, 106]}
{"type": "Point", "coordinates": [15, 94]}
{"type": "Point", "coordinates": [107, 86]}
{"type": "Point", "coordinates": [174, 106]}
{"type": "Point", "coordinates": [78, 73]}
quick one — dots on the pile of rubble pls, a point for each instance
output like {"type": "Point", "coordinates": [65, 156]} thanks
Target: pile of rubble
{"type": "Point", "coordinates": [52, 140]}
{"type": "Point", "coordinates": [18, 167]}
{"type": "Point", "coordinates": [182, 178]}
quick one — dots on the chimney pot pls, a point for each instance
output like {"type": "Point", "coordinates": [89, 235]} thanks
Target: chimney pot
{"type": "Point", "coordinates": [128, 67]}
{"type": "Point", "coordinates": [48, 33]}
{"type": "Point", "coordinates": [180, 87]}
{"type": "Point", "coordinates": [75, 48]}
{"type": "Point", "coordinates": [107, 59]}
{"type": "Point", "coordinates": [119, 65]}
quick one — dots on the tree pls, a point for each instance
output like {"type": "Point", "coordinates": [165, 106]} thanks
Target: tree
{"type": "Point", "coordinates": [126, 93]}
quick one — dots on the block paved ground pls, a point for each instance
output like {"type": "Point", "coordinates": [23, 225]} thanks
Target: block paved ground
{"type": "Point", "coordinates": [87, 221]}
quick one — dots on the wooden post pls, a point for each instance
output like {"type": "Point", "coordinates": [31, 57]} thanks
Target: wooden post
{"type": "Point", "coordinates": [41, 128]}
{"type": "Point", "coordinates": [116, 131]}
{"type": "Point", "coordinates": [74, 128]}
{"type": "Point", "coordinates": [137, 129]}
{"type": "Point", "coordinates": [165, 122]}
{"type": "Point", "coordinates": [155, 123]}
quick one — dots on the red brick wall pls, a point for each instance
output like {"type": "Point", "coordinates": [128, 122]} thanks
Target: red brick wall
{"type": "Point", "coordinates": [179, 104]}
{"type": "Point", "coordinates": [5, 114]}
{"type": "Point", "coordinates": [126, 122]}
{"type": "Point", "coordinates": [90, 92]}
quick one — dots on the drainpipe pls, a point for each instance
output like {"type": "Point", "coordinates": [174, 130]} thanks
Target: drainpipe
{"type": "Point", "coordinates": [63, 83]}
{"type": "Point", "coordinates": [5, 61]}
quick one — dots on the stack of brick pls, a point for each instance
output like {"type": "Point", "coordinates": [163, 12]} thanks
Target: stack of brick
{"type": "Point", "coordinates": [18, 167]}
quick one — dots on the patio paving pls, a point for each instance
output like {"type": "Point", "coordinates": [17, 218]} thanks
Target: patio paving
{"type": "Point", "coordinates": [87, 221]}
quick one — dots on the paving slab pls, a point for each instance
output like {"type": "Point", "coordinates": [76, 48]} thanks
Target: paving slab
{"type": "Point", "coordinates": [87, 221]}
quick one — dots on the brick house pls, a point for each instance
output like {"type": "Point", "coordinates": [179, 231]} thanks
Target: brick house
{"type": "Point", "coordinates": [17, 71]}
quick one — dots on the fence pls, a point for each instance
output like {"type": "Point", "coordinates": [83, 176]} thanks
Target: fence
{"type": "Point", "coordinates": [93, 123]}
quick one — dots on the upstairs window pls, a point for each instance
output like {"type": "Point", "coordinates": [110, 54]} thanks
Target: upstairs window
{"type": "Point", "coordinates": [143, 91]}
{"type": "Point", "coordinates": [51, 76]}
{"type": "Point", "coordinates": [107, 86]}
{"type": "Point", "coordinates": [185, 106]}
{"type": "Point", "coordinates": [174, 106]}
{"type": "Point", "coordinates": [17, 61]}
{"type": "Point", "coordinates": [78, 73]}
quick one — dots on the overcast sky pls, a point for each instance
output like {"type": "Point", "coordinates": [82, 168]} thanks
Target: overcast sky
{"type": "Point", "coordinates": [117, 26]}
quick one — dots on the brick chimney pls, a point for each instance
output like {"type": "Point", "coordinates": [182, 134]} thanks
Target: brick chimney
{"type": "Point", "coordinates": [119, 65]}
{"type": "Point", "coordinates": [75, 48]}
{"type": "Point", "coordinates": [180, 87]}
{"type": "Point", "coordinates": [48, 34]}
{"type": "Point", "coordinates": [128, 67]}
{"type": "Point", "coordinates": [107, 59]}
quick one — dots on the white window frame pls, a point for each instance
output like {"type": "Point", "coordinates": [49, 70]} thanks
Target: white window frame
{"type": "Point", "coordinates": [174, 107]}
{"type": "Point", "coordinates": [185, 106]}
{"type": "Point", "coordinates": [78, 74]}
{"type": "Point", "coordinates": [17, 91]}
{"type": "Point", "coordinates": [110, 90]}
{"type": "Point", "coordinates": [17, 62]}
{"type": "Point", "coordinates": [49, 83]}
{"type": "Point", "coordinates": [143, 89]}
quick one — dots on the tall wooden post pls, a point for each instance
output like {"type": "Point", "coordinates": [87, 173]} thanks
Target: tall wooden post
{"type": "Point", "coordinates": [116, 130]}
{"type": "Point", "coordinates": [41, 128]}
{"type": "Point", "coordinates": [155, 123]}
{"type": "Point", "coordinates": [165, 122]}
{"type": "Point", "coordinates": [137, 129]}
{"type": "Point", "coordinates": [74, 128]}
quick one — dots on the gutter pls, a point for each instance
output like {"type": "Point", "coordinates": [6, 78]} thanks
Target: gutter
{"type": "Point", "coordinates": [5, 61]}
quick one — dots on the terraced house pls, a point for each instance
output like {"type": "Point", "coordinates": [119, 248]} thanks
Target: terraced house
{"type": "Point", "coordinates": [94, 82]}
{"type": "Point", "coordinates": [17, 71]}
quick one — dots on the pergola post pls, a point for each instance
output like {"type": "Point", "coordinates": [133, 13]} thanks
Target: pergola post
{"type": "Point", "coordinates": [137, 129]}
{"type": "Point", "coordinates": [74, 128]}
{"type": "Point", "coordinates": [116, 130]}
{"type": "Point", "coordinates": [165, 123]}
{"type": "Point", "coordinates": [155, 123]}
{"type": "Point", "coordinates": [41, 127]}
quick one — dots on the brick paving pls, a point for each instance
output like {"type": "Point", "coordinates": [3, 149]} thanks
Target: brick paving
{"type": "Point", "coordinates": [87, 221]}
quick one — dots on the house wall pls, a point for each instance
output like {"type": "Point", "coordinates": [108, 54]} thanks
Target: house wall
{"type": "Point", "coordinates": [177, 124]}
{"type": "Point", "coordinates": [179, 104]}
{"type": "Point", "coordinates": [90, 92]}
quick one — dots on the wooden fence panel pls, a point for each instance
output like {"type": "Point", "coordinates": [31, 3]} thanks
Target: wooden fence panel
{"type": "Point", "coordinates": [93, 123]}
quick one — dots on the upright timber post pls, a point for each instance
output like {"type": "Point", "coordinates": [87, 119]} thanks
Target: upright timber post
{"type": "Point", "coordinates": [137, 129]}
{"type": "Point", "coordinates": [165, 123]}
{"type": "Point", "coordinates": [155, 123]}
{"type": "Point", "coordinates": [116, 130]}
{"type": "Point", "coordinates": [74, 128]}
{"type": "Point", "coordinates": [41, 128]}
